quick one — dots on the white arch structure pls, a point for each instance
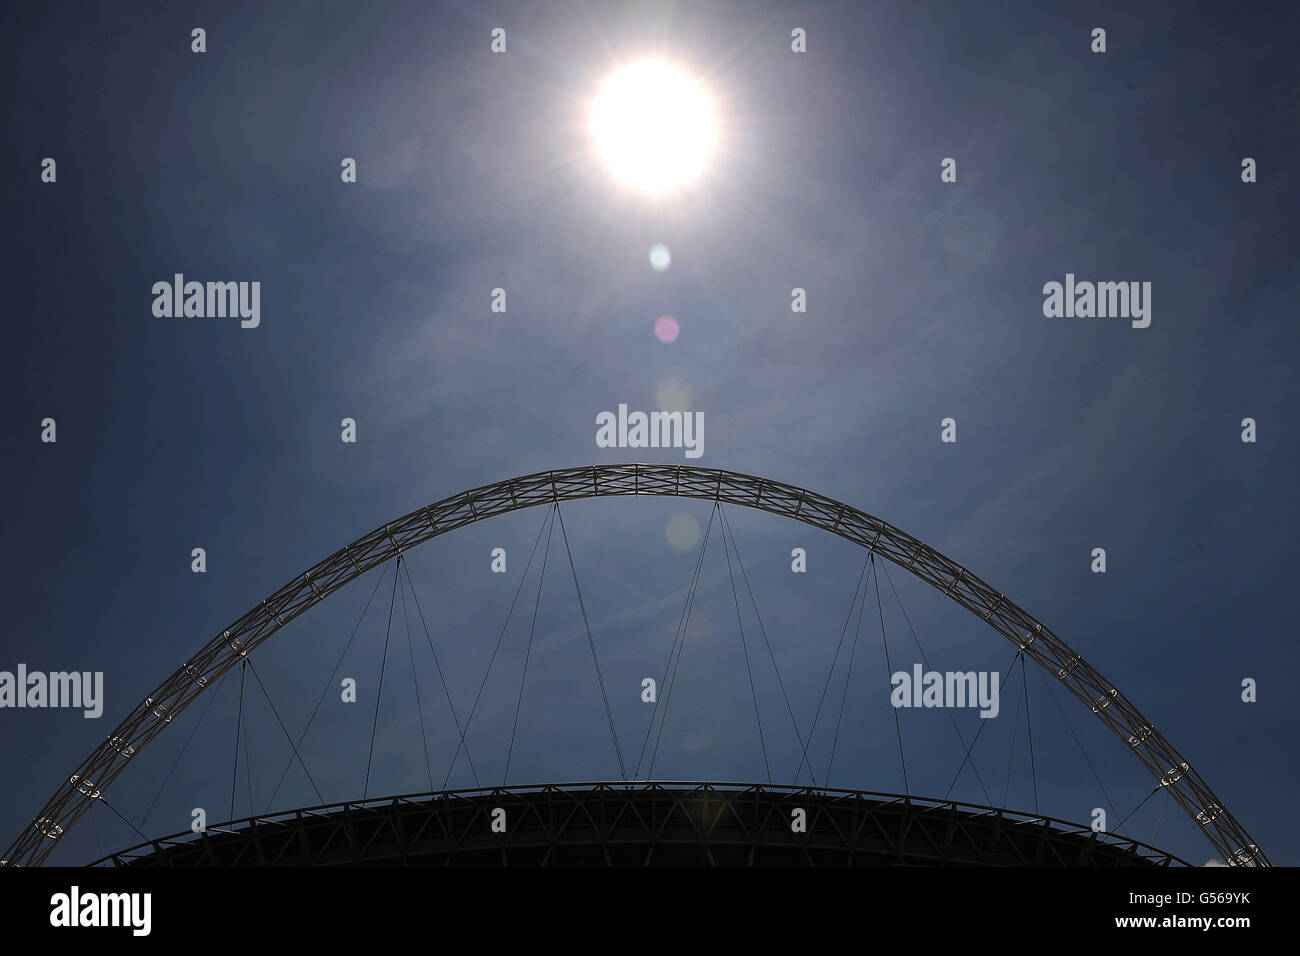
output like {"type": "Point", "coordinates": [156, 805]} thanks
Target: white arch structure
{"type": "Point", "coordinates": [1038, 642]}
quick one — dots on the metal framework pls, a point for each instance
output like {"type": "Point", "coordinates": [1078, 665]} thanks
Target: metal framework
{"type": "Point", "coordinates": [1039, 644]}
{"type": "Point", "coordinates": [646, 824]}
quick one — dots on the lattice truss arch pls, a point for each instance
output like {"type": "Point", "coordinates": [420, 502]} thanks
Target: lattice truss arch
{"type": "Point", "coordinates": [1039, 643]}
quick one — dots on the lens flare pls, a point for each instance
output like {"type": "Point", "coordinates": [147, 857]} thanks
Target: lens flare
{"type": "Point", "coordinates": [682, 532]}
{"type": "Point", "coordinates": [666, 329]}
{"type": "Point", "coordinates": [672, 395]}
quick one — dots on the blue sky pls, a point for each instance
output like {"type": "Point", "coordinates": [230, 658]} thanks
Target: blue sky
{"type": "Point", "coordinates": [475, 171]}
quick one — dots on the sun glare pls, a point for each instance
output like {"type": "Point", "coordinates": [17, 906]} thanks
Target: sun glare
{"type": "Point", "coordinates": [653, 126]}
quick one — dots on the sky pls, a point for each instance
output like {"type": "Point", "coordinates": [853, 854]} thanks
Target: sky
{"type": "Point", "coordinates": [476, 171]}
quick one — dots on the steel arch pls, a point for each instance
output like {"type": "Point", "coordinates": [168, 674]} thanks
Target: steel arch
{"type": "Point", "coordinates": [1038, 642]}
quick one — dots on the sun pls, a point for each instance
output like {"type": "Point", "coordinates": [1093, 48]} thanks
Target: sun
{"type": "Point", "coordinates": [653, 126]}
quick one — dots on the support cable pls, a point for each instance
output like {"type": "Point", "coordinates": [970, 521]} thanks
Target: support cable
{"type": "Point", "coordinates": [239, 720]}
{"type": "Point", "coordinates": [442, 678]}
{"type": "Point", "coordinates": [830, 674]}
{"type": "Point", "coordinates": [284, 730]}
{"type": "Point", "coordinates": [248, 766]}
{"type": "Point", "coordinates": [1159, 787]}
{"type": "Point", "coordinates": [679, 646]}
{"type": "Point", "coordinates": [213, 696]}
{"type": "Point", "coordinates": [889, 671]}
{"type": "Point", "coordinates": [1029, 726]}
{"type": "Point", "coordinates": [726, 524]}
{"type": "Point", "coordinates": [500, 637]}
{"type": "Point", "coordinates": [983, 723]}
{"type": "Point", "coordinates": [1163, 804]}
{"type": "Point", "coordinates": [1096, 776]}
{"type": "Point", "coordinates": [753, 692]}
{"type": "Point", "coordinates": [519, 702]}
{"type": "Point", "coordinates": [926, 661]}
{"type": "Point", "coordinates": [383, 666]}
{"type": "Point", "coordinates": [104, 800]}
{"type": "Point", "coordinates": [329, 682]}
{"type": "Point", "coordinates": [1015, 732]}
{"type": "Point", "coordinates": [415, 679]}
{"type": "Point", "coordinates": [609, 713]}
{"type": "Point", "coordinates": [848, 672]}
